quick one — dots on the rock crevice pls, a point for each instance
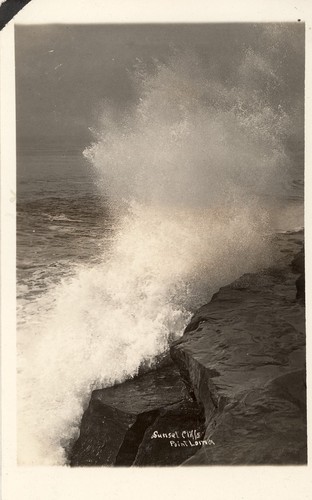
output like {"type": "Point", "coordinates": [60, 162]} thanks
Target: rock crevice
{"type": "Point", "coordinates": [119, 426]}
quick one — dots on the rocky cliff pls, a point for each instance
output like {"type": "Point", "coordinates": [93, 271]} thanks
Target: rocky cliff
{"type": "Point", "coordinates": [233, 391]}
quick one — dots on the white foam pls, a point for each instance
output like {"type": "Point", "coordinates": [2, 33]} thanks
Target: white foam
{"type": "Point", "coordinates": [98, 326]}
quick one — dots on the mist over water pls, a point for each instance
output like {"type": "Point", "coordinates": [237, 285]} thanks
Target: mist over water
{"type": "Point", "coordinates": [192, 170]}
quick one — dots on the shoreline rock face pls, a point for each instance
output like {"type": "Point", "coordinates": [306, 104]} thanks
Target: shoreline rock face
{"type": "Point", "coordinates": [243, 355]}
{"type": "Point", "coordinates": [235, 392]}
{"type": "Point", "coordinates": [118, 428]}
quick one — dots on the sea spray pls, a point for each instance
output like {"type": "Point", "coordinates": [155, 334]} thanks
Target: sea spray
{"type": "Point", "coordinates": [193, 161]}
{"type": "Point", "coordinates": [98, 326]}
{"type": "Point", "coordinates": [191, 140]}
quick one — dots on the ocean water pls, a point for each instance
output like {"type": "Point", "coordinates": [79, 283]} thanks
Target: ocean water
{"type": "Point", "coordinates": [120, 240]}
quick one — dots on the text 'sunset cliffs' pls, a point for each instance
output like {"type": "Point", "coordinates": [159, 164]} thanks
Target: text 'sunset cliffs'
{"type": "Point", "coordinates": [235, 392]}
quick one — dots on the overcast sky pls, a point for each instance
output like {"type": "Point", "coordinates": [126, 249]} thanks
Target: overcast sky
{"type": "Point", "coordinates": [64, 71]}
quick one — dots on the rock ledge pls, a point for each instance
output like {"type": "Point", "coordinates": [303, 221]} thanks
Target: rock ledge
{"type": "Point", "coordinates": [237, 382]}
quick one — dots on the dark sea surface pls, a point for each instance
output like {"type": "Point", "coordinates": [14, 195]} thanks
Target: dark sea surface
{"type": "Point", "coordinates": [61, 218]}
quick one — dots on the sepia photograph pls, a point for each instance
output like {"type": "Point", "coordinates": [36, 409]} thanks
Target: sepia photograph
{"type": "Point", "coordinates": [160, 276]}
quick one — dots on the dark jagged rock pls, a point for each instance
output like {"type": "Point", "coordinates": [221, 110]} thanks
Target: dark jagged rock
{"type": "Point", "coordinates": [243, 357]}
{"type": "Point", "coordinates": [240, 383]}
{"type": "Point", "coordinates": [178, 419]}
{"type": "Point", "coordinates": [116, 421]}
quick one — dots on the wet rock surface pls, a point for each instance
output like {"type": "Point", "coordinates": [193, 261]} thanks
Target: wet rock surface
{"type": "Point", "coordinates": [237, 379]}
{"type": "Point", "coordinates": [243, 356]}
{"type": "Point", "coordinates": [118, 426]}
